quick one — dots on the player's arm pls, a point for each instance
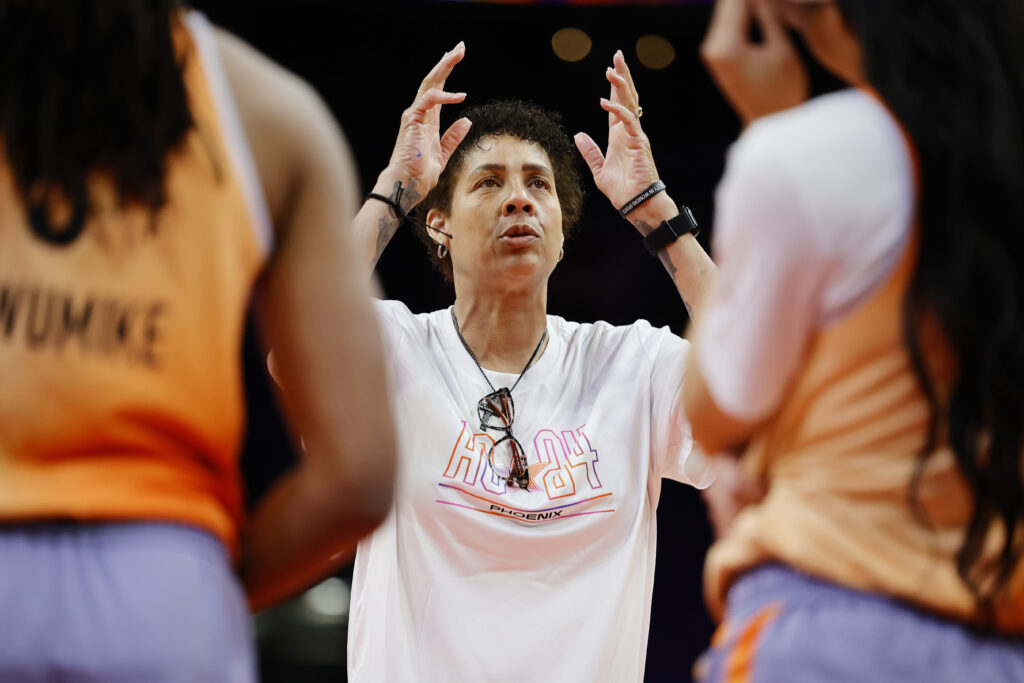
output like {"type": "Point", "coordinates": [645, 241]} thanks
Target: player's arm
{"type": "Point", "coordinates": [314, 310]}
{"type": "Point", "coordinates": [712, 427]}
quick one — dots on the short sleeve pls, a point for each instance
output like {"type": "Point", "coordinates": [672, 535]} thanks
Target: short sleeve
{"type": "Point", "coordinates": [394, 318]}
{"type": "Point", "coordinates": [765, 303]}
{"type": "Point", "coordinates": [673, 454]}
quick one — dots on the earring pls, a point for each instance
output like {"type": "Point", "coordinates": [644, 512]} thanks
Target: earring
{"type": "Point", "coordinates": [561, 253]}
{"type": "Point", "coordinates": [442, 250]}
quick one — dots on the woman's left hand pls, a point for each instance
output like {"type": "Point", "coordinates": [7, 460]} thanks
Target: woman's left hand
{"type": "Point", "coordinates": [732, 492]}
{"type": "Point", "coordinates": [627, 168]}
{"type": "Point", "coordinates": [756, 78]}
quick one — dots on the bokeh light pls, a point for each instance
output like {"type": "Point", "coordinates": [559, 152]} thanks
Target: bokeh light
{"type": "Point", "coordinates": [655, 52]}
{"type": "Point", "coordinates": [571, 44]}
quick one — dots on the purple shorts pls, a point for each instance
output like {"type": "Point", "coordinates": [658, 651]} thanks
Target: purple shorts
{"type": "Point", "coordinates": [784, 626]}
{"type": "Point", "coordinates": [118, 603]}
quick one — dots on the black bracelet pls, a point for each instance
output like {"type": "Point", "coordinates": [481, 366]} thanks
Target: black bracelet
{"type": "Point", "coordinates": [636, 201]}
{"type": "Point", "coordinates": [402, 216]}
{"type": "Point", "coordinates": [671, 230]}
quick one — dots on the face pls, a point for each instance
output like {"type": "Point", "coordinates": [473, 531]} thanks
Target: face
{"type": "Point", "coordinates": [505, 218]}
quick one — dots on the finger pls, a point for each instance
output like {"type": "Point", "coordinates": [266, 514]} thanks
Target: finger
{"type": "Point", "coordinates": [626, 117]}
{"type": "Point", "coordinates": [729, 18]}
{"type": "Point", "coordinates": [773, 31]}
{"type": "Point", "coordinates": [618, 93]}
{"type": "Point", "coordinates": [719, 510]}
{"type": "Point", "coordinates": [591, 152]}
{"type": "Point", "coordinates": [723, 518]}
{"type": "Point", "coordinates": [443, 69]}
{"type": "Point", "coordinates": [439, 74]}
{"type": "Point", "coordinates": [621, 92]}
{"type": "Point", "coordinates": [623, 70]}
{"type": "Point", "coordinates": [749, 489]}
{"type": "Point", "coordinates": [453, 137]}
{"type": "Point", "coordinates": [727, 32]}
{"type": "Point", "coordinates": [433, 98]}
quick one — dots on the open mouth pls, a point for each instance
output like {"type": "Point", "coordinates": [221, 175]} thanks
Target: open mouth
{"type": "Point", "coordinates": [519, 234]}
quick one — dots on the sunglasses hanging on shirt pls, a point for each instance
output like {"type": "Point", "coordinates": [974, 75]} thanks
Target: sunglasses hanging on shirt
{"type": "Point", "coordinates": [497, 411]}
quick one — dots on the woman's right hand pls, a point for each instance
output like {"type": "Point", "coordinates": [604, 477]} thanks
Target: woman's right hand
{"type": "Point", "coordinates": [421, 152]}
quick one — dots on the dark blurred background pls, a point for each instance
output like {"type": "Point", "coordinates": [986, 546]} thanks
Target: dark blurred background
{"type": "Point", "coordinates": [367, 59]}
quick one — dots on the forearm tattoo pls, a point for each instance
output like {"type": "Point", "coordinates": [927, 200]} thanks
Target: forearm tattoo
{"type": "Point", "coordinates": [386, 227]}
{"type": "Point", "coordinates": [644, 228]}
{"type": "Point", "coordinates": [666, 261]}
{"type": "Point", "coordinates": [407, 197]}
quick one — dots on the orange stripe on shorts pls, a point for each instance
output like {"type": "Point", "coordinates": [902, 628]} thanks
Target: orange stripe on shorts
{"type": "Point", "coordinates": [739, 664]}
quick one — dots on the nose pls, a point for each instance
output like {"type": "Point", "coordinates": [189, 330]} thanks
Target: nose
{"type": "Point", "coordinates": [518, 201]}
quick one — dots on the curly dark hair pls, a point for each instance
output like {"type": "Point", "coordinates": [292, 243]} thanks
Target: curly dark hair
{"type": "Point", "coordinates": [89, 86]}
{"type": "Point", "coordinates": [523, 120]}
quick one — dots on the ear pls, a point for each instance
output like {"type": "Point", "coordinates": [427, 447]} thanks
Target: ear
{"type": "Point", "coordinates": [437, 220]}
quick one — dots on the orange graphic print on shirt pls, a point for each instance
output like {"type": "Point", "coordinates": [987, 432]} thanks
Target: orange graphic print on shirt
{"type": "Point", "coordinates": [563, 466]}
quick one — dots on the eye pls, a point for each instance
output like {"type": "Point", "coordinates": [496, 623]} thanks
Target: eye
{"type": "Point", "coordinates": [540, 183]}
{"type": "Point", "coordinates": [488, 182]}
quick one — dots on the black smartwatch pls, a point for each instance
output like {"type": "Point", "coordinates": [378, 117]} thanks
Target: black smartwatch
{"type": "Point", "coordinates": [671, 230]}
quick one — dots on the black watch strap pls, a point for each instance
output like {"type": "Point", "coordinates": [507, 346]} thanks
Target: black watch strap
{"type": "Point", "coordinates": [671, 230]}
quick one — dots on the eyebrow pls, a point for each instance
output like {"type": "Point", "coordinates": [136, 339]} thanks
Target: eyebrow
{"type": "Point", "coordinates": [501, 167]}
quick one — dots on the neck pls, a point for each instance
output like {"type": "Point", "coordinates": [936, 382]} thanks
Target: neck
{"type": "Point", "coordinates": [502, 328]}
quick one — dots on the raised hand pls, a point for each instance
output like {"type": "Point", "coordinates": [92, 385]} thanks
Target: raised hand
{"type": "Point", "coordinates": [627, 168]}
{"type": "Point", "coordinates": [421, 152]}
{"type": "Point", "coordinates": [756, 78]}
{"type": "Point", "coordinates": [419, 157]}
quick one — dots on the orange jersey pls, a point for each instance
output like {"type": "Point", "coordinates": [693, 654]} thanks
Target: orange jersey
{"type": "Point", "coordinates": [120, 354]}
{"type": "Point", "coordinates": [840, 455]}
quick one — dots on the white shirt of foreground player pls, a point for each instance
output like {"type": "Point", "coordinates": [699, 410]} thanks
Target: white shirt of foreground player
{"type": "Point", "coordinates": [812, 216]}
{"type": "Point", "coordinates": [470, 581]}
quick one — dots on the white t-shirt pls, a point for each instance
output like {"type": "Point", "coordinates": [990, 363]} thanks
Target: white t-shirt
{"type": "Point", "coordinates": [812, 216]}
{"type": "Point", "coordinates": [468, 581]}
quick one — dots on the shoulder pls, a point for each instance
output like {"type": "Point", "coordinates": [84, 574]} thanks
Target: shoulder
{"type": "Point", "coordinates": [831, 169]}
{"type": "Point", "coordinates": [395, 313]}
{"type": "Point", "coordinates": [837, 138]}
{"type": "Point", "coordinates": [601, 339]}
{"type": "Point", "coordinates": [289, 128]}
{"type": "Point", "coordinates": [263, 88]}
{"type": "Point", "coordinates": [847, 119]}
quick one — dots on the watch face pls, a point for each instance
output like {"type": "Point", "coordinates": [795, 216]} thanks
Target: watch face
{"type": "Point", "coordinates": [689, 214]}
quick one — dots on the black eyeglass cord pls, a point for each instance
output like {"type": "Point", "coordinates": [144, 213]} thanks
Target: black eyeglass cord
{"type": "Point", "coordinates": [479, 367]}
{"type": "Point", "coordinates": [403, 216]}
